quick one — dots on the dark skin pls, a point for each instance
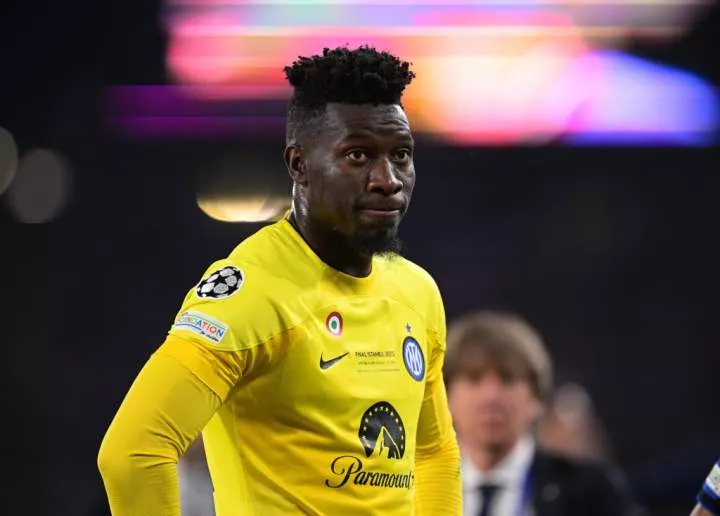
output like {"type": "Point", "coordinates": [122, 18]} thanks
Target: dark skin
{"type": "Point", "coordinates": [353, 179]}
{"type": "Point", "coordinates": [700, 511]}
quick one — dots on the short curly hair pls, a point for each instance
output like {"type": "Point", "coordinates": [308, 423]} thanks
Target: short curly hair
{"type": "Point", "coordinates": [360, 76]}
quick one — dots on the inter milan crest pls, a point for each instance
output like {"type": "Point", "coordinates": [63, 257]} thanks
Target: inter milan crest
{"type": "Point", "coordinates": [413, 358]}
{"type": "Point", "coordinates": [221, 283]}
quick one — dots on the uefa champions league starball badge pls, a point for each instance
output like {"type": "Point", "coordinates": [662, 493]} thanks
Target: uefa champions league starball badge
{"type": "Point", "coordinates": [221, 284]}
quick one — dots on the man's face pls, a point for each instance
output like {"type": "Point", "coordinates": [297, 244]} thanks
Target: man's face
{"type": "Point", "coordinates": [493, 404]}
{"type": "Point", "coordinates": [360, 174]}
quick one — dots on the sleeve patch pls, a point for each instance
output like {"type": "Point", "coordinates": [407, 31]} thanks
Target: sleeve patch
{"type": "Point", "coordinates": [221, 283]}
{"type": "Point", "coordinates": [202, 325]}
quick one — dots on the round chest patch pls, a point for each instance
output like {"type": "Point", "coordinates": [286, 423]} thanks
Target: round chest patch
{"type": "Point", "coordinates": [413, 358]}
{"type": "Point", "coordinates": [334, 323]}
{"type": "Point", "coordinates": [221, 284]}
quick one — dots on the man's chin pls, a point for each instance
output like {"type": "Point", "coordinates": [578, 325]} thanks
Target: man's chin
{"type": "Point", "coordinates": [377, 243]}
{"type": "Point", "coordinates": [498, 443]}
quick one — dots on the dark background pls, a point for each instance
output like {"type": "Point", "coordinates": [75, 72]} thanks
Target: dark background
{"type": "Point", "coordinates": [612, 253]}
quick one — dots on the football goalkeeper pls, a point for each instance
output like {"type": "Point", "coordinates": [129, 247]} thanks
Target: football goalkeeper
{"type": "Point", "coordinates": [310, 358]}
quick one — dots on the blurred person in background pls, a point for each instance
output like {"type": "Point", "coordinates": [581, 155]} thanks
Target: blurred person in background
{"type": "Point", "coordinates": [499, 378]}
{"type": "Point", "coordinates": [196, 491]}
{"type": "Point", "coordinates": [569, 426]}
{"type": "Point", "coordinates": [311, 358]}
{"type": "Point", "coordinates": [708, 499]}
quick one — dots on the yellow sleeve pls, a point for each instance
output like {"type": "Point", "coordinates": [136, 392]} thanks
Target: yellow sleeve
{"type": "Point", "coordinates": [178, 390]}
{"type": "Point", "coordinates": [218, 340]}
{"type": "Point", "coordinates": [438, 487]}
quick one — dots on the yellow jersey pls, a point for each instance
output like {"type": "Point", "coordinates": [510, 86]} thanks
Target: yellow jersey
{"type": "Point", "coordinates": [331, 385]}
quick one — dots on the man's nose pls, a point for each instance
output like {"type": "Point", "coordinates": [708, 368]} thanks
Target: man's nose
{"type": "Point", "coordinates": [384, 178]}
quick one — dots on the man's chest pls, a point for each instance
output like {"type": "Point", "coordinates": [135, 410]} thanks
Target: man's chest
{"type": "Point", "coordinates": [351, 355]}
{"type": "Point", "coordinates": [362, 348]}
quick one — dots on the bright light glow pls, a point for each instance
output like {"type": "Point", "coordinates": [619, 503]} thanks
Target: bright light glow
{"type": "Point", "coordinates": [628, 100]}
{"type": "Point", "coordinates": [225, 41]}
{"type": "Point", "coordinates": [244, 209]}
{"type": "Point", "coordinates": [504, 90]}
{"type": "Point", "coordinates": [495, 72]}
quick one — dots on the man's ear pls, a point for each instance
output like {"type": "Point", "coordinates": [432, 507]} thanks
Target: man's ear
{"type": "Point", "coordinates": [296, 164]}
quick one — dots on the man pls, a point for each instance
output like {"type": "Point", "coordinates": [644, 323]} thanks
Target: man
{"type": "Point", "coordinates": [708, 499]}
{"type": "Point", "coordinates": [499, 376]}
{"type": "Point", "coordinates": [311, 358]}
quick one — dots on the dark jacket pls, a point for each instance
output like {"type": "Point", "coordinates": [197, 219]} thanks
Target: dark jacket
{"type": "Point", "coordinates": [567, 487]}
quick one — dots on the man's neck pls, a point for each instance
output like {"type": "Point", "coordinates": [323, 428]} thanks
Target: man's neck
{"type": "Point", "coordinates": [331, 248]}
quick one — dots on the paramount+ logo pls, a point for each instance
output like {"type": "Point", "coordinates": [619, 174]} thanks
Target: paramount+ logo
{"type": "Point", "coordinates": [381, 433]}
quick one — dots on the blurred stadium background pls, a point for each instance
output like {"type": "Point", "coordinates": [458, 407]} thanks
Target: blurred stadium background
{"type": "Point", "coordinates": [568, 170]}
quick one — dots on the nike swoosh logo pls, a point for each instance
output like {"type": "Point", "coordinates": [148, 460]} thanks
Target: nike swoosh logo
{"type": "Point", "coordinates": [326, 364]}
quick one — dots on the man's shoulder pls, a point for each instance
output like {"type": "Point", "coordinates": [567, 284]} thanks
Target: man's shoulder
{"type": "Point", "coordinates": [409, 273]}
{"type": "Point", "coordinates": [413, 286]}
{"type": "Point", "coordinates": [244, 299]}
{"type": "Point", "coordinates": [583, 476]}
{"type": "Point", "coordinates": [549, 462]}
{"type": "Point", "coordinates": [264, 249]}
{"type": "Point", "coordinates": [247, 272]}
{"type": "Point", "coordinates": [271, 254]}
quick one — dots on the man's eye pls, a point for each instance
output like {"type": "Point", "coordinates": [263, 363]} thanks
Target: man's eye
{"type": "Point", "coordinates": [403, 155]}
{"type": "Point", "coordinates": [357, 155]}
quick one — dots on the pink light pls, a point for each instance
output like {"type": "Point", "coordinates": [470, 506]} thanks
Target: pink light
{"type": "Point", "coordinates": [499, 88]}
{"type": "Point", "coordinates": [490, 75]}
